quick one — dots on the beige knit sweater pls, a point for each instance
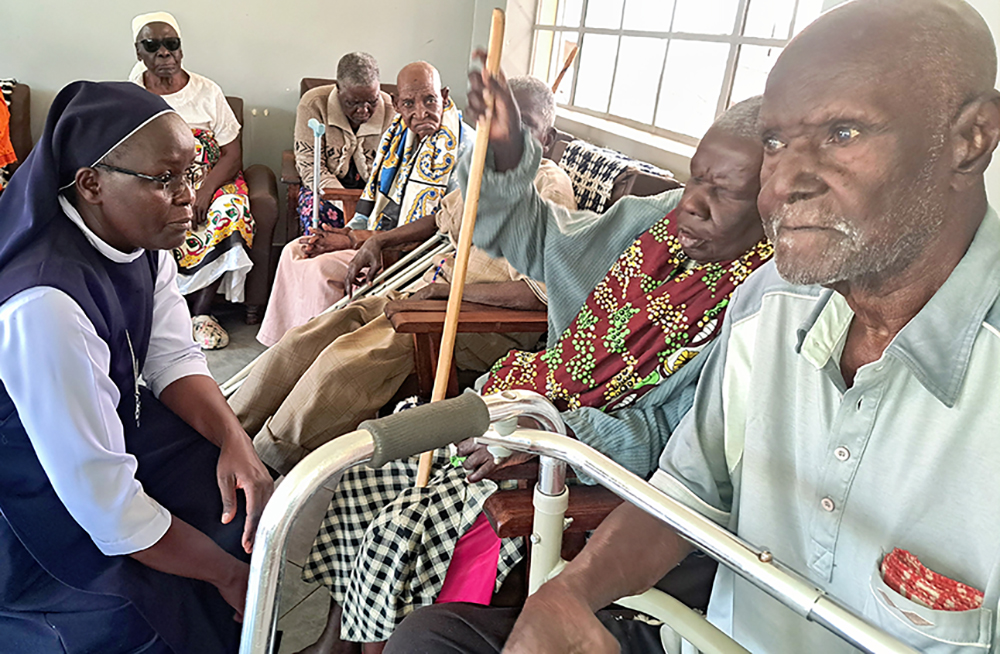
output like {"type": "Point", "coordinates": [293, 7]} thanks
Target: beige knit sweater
{"type": "Point", "coordinates": [340, 143]}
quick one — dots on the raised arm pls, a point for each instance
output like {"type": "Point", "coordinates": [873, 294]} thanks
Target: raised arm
{"type": "Point", "coordinates": [568, 250]}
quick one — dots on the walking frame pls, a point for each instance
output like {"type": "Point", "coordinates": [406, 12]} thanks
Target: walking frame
{"type": "Point", "coordinates": [396, 277]}
{"type": "Point", "coordinates": [495, 418]}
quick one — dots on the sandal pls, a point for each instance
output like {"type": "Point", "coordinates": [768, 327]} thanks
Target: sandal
{"type": "Point", "coordinates": [208, 333]}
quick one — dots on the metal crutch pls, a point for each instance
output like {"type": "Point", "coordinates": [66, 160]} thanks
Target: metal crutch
{"type": "Point", "coordinates": [403, 272]}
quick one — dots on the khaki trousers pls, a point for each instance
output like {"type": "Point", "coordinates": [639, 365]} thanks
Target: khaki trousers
{"type": "Point", "coordinates": [325, 377]}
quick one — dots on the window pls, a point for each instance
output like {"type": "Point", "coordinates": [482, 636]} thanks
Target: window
{"type": "Point", "coordinates": [663, 66]}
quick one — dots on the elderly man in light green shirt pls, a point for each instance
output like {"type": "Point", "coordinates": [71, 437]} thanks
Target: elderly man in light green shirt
{"type": "Point", "coordinates": [851, 405]}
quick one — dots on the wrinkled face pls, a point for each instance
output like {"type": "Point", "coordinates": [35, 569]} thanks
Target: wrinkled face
{"type": "Point", "coordinates": [849, 186]}
{"type": "Point", "coordinates": [717, 217]}
{"type": "Point", "coordinates": [163, 62]}
{"type": "Point", "coordinates": [358, 102]}
{"type": "Point", "coordinates": [421, 104]}
{"type": "Point", "coordinates": [139, 213]}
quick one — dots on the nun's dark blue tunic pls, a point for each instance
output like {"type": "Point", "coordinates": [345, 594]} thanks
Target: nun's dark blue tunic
{"type": "Point", "coordinates": [58, 591]}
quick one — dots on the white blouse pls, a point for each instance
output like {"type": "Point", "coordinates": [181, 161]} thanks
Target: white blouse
{"type": "Point", "coordinates": [57, 372]}
{"type": "Point", "coordinates": [202, 105]}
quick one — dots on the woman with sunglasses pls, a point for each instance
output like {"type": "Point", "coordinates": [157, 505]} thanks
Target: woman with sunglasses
{"type": "Point", "coordinates": [215, 254]}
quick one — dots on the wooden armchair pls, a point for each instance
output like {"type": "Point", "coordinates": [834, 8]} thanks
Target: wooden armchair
{"type": "Point", "coordinates": [263, 190]}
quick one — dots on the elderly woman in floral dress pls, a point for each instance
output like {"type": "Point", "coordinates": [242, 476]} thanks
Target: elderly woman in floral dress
{"type": "Point", "coordinates": [215, 253]}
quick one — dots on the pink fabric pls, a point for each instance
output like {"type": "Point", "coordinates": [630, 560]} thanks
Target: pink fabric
{"type": "Point", "coordinates": [303, 288]}
{"type": "Point", "coordinates": [472, 573]}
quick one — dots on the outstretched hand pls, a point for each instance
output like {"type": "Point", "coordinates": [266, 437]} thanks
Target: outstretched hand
{"type": "Point", "coordinates": [505, 127]}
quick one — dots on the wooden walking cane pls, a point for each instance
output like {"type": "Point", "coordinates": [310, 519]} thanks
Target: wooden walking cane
{"type": "Point", "coordinates": [464, 237]}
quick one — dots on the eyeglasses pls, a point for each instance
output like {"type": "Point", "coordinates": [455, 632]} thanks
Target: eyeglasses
{"type": "Point", "coordinates": [168, 181]}
{"type": "Point", "coordinates": [171, 43]}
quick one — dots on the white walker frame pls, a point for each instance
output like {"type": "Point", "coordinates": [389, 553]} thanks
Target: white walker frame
{"type": "Point", "coordinates": [420, 429]}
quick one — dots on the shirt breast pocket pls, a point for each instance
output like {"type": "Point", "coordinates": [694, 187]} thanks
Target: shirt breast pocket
{"type": "Point", "coordinates": [927, 630]}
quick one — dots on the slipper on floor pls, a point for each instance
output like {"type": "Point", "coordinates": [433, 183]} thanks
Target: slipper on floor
{"type": "Point", "coordinates": [208, 333]}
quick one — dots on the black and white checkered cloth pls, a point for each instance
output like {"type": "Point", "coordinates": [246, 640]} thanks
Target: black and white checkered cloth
{"type": "Point", "coordinates": [385, 545]}
{"type": "Point", "coordinates": [593, 172]}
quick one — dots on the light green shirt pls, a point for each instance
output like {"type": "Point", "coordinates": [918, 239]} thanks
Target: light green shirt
{"type": "Point", "coordinates": [830, 478]}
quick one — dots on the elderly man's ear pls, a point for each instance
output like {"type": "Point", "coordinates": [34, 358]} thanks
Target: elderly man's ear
{"type": "Point", "coordinates": [975, 135]}
{"type": "Point", "coordinates": [444, 94]}
{"type": "Point", "coordinates": [548, 139]}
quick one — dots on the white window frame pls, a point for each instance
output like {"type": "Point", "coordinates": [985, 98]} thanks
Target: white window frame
{"type": "Point", "coordinates": [735, 39]}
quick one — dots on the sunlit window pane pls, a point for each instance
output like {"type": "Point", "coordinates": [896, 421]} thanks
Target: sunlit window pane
{"type": "Point", "coordinates": [597, 63]}
{"type": "Point", "coordinates": [691, 86]}
{"type": "Point", "coordinates": [809, 10]}
{"type": "Point", "coordinates": [754, 64]}
{"type": "Point", "coordinates": [604, 13]}
{"type": "Point", "coordinates": [542, 56]}
{"type": "Point", "coordinates": [769, 19]}
{"type": "Point", "coordinates": [650, 15]}
{"type": "Point", "coordinates": [634, 94]}
{"type": "Point", "coordinates": [705, 16]}
{"type": "Point", "coordinates": [563, 13]}
{"type": "Point", "coordinates": [547, 12]}
{"type": "Point", "coordinates": [565, 42]}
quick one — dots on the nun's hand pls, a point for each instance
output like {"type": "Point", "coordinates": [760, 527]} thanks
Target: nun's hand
{"type": "Point", "coordinates": [202, 201]}
{"type": "Point", "coordinates": [240, 468]}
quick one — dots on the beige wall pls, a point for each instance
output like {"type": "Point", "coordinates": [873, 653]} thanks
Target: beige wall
{"type": "Point", "coordinates": [256, 49]}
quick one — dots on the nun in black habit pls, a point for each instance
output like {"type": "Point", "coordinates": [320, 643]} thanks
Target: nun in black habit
{"type": "Point", "coordinates": [121, 525]}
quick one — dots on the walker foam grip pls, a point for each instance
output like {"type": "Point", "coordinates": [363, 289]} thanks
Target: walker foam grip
{"type": "Point", "coordinates": [427, 427]}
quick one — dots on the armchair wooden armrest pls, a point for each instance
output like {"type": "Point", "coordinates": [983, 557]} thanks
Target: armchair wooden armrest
{"type": "Point", "coordinates": [425, 320]}
{"type": "Point", "coordinates": [511, 513]}
{"type": "Point", "coordinates": [289, 173]}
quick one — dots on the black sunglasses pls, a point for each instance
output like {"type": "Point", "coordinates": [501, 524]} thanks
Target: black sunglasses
{"type": "Point", "coordinates": [171, 43]}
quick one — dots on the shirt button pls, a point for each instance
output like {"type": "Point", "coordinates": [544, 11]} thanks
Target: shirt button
{"type": "Point", "coordinates": [827, 504]}
{"type": "Point", "coordinates": [842, 453]}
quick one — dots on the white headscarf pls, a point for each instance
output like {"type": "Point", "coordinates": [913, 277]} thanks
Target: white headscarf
{"type": "Point", "coordinates": [156, 17]}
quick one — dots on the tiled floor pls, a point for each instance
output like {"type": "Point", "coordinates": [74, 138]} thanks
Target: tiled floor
{"type": "Point", "coordinates": [303, 607]}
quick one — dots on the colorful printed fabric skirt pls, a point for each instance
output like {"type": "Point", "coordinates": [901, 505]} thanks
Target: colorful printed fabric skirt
{"type": "Point", "coordinates": [329, 213]}
{"type": "Point", "coordinates": [221, 245]}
